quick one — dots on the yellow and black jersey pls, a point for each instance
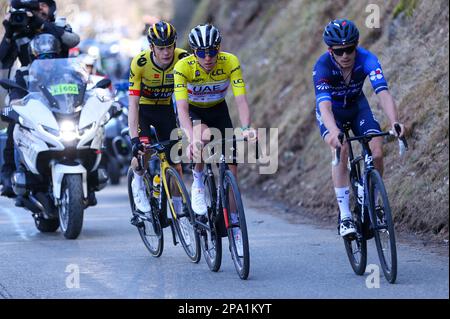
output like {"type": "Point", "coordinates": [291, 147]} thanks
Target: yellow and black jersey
{"type": "Point", "coordinates": [152, 84]}
{"type": "Point", "coordinates": [204, 89]}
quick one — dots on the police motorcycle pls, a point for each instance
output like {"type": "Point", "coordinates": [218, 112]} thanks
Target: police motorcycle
{"type": "Point", "coordinates": [58, 136]}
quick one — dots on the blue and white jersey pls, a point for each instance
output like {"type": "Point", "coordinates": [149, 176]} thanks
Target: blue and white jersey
{"type": "Point", "coordinates": [329, 82]}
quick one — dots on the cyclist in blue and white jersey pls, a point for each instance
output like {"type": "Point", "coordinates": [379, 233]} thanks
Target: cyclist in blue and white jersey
{"type": "Point", "coordinates": [338, 77]}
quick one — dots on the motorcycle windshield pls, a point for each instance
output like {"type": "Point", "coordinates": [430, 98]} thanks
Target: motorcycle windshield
{"type": "Point", "coordinates": [61, 82]}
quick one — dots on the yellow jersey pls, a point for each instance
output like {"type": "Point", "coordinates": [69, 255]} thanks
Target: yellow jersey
{"type": "Point", "coordinates": [202, 89]}
{"type": "Point", "coordinates": [152, 84]}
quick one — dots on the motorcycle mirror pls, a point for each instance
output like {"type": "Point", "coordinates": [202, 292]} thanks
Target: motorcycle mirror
{"type": "Point", "coordinates": [103, 84]}
{"type": "Point", "coordinates": [9, 85]}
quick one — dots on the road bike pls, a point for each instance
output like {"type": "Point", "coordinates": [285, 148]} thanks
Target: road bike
{"type": "Point", "coordinates": [371, 211]}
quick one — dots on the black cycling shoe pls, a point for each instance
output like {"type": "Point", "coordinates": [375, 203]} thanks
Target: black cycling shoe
{"type": "Point", "coordinates": [7, 189]}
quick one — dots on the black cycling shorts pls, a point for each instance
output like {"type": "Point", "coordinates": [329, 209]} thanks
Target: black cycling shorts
{"type": "Point", "coordinates": [217, 117]}
{"type": "Point", "coordinates": [163, 119]}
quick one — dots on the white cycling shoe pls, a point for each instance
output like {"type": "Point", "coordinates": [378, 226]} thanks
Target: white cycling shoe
{"type": "Point", "coordinates": [140, 197]}
{"type": "Point", "coordinates": [198, 201]}
{"type": "Point", "coordinates": [346, 227]}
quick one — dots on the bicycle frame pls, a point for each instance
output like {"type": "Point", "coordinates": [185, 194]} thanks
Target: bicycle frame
{"type": "Point", "coordinates": [164, 165]}
{"type": "Point", "coordinates": [368, 163]}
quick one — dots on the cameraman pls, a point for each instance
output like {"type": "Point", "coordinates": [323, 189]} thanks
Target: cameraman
{"type": "Point", "coordinates": [27, 18]}
{"type": "Point", "coordinates": [40, 19]}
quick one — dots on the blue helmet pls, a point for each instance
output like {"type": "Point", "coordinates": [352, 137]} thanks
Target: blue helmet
{"type": "Point", "coordinates": [340, 32]}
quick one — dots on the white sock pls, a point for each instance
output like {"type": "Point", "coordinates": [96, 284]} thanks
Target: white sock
{"type": "Point", "coordinates": [342, 196]}
{"type": "Point", "coordinates": [198, 179]}
{"type": "Point", "coordinates": [139, 179]}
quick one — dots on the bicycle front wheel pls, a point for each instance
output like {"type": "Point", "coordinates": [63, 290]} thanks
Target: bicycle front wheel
{"type": "Point", "coordinates": [383, 225]}
{"type": "Point", "coordinates": [148, 225]}
{"type": "Point", "coordinates": [210, 238]}
{"type": "Point", "coordinates": [236, 225]}
{"type": "Point", "coordinates": [182, 214]}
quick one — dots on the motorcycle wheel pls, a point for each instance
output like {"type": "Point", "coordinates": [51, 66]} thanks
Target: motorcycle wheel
{"type": "Point", "coordinates": [113, 168]}
{"type": "Point", "coordinates": [71, 209]}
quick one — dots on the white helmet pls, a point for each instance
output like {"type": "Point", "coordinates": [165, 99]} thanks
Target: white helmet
{"type": "Point", "coordinates": [204, 36]}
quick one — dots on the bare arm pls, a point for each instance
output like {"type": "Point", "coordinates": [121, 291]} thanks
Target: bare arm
{"type": "Point", "coordinates": [330, 123]}
{"type": "Point", "coordinates": [185, 120]}
{"type": "Point", "coordinates": [243, 109]}
{"type": "Point", "coordinates": [133, 115]}
{"type": "Point", "coordinates": [389, 108]}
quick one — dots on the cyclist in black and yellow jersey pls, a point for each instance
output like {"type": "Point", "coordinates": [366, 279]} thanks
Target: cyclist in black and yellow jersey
{"type": "Point", "coordinates": [201, 83]}
{"type": "Point", "coordinates": [150, 99]}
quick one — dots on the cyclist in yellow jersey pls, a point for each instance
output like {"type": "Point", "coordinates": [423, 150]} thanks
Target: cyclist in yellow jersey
{"type": "Point", "coordinates": [150, 100]}
{"type": "Point", "coordinates": [201, 83]}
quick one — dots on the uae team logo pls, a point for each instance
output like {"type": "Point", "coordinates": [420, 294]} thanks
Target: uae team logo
{"type": "Point", "coordinates": [376, 75]}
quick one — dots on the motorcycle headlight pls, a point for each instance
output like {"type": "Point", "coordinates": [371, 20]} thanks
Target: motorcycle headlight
{"type": "Point", "coordinates": [67, 130]}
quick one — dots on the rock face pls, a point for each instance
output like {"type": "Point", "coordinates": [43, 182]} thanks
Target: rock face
{"type": "Point", "coordinates": [278, 42]}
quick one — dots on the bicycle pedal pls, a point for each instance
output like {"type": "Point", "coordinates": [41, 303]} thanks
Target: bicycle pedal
{"type": "Point", "coordinates": [351, 237]}
{"type": "Point", "coordinates": [136, 221]}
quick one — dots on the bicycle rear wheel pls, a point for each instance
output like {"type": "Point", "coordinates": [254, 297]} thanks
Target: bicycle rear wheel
{"type": "Point", "coordinates": [236, 225]}
{"type": "Point", "coordinates": [381, 217]}
{"type": "Point", "coordinates": [210, 239]}
{"type": "Point", "coordinates": [183, 220]}
{"type": "Point", "coordinates": [149, 227]}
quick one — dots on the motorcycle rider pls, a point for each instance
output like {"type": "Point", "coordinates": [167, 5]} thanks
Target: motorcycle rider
{"type": "Point", "coordinates": [43, 46]}
{"type": "Point", "coordinates": [15, 45]}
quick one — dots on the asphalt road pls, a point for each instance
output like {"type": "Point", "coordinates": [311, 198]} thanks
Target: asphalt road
{"type": "Point", "coordinates": [109, 260]}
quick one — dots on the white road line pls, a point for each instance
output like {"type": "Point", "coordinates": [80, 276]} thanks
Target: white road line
{"type": "Point", "coordinates": [15, 221]}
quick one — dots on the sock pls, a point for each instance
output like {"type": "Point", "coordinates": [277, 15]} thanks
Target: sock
{"type": "Point", "coordinates": [342, 195]}
{"type": "Point", "coordinates": [139, 179]}
{"type": "Point", "coordinates": [198, 179]}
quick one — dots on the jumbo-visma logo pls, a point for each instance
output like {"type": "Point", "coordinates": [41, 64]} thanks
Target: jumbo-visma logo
{"type": "Point", "coordinates": [376, 75]}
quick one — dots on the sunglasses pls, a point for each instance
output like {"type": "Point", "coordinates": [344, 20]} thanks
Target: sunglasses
{"type": "Point", "coordinates": [348, 50]}
{"type": "Point", "coordinates": [201, 53]}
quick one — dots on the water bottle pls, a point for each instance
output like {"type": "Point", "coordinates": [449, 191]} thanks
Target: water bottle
{"type": "Point", "coordinates": [156, 186]}
{"type": "Point", "coordinates": [360, 194]}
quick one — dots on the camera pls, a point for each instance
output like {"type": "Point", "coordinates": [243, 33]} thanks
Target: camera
{"type": "Point", "coordinates": [19, 8]}
{"type": "Point", "coordinates": [19, 18]}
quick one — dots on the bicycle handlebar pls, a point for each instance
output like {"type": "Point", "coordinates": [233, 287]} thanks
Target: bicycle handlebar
{"type": "Point", "coordinates": [211, 145]}
{"type": "Point", "coordinates": [158, 147]}
{"type": "Point", "coordinates": [337, 151]}
{"type": "Point", "coordinates": [403, 144]}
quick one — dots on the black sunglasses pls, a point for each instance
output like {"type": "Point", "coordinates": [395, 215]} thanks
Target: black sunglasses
{"type": "Point", "coordinates": [212, 52]}
{"type": "Point", "coordinates": [348, 50]}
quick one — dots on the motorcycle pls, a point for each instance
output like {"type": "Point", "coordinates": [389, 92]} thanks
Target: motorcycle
{"type": "Point", "coordinates": [117, 150]}
{"type": "Point", "coordinates": [58, 136]}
